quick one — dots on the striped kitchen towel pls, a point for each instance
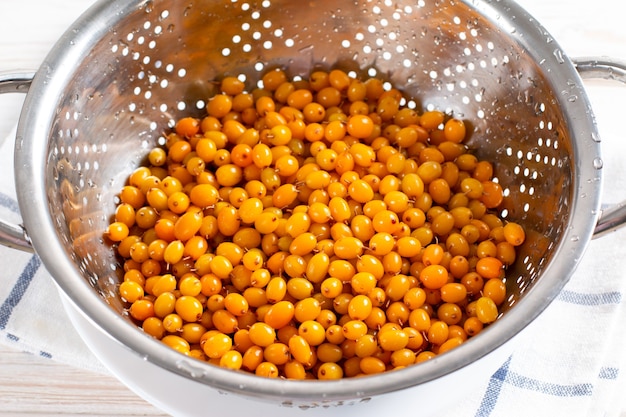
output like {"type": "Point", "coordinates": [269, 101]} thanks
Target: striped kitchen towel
{"type": "Point", "coordinates": [570, 362]}
{"type": "Point", "coordinates": [32, 317]}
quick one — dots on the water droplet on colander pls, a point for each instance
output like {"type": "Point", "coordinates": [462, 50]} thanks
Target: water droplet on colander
{"type": "Point", "coordinates": [306, 48]}
{"type": "Point", "coordinates": [595, 137]}
{"type": "Point", "coordinates": [558, 54]}
{"type": "Point", "coordinates": [572, 98]}
{"type": "Point", "coordinates": [597, 163]}
{"type": "Point", "coordinates": [575, 238]}
{"type": "Point", "coordinates": [192, 370]}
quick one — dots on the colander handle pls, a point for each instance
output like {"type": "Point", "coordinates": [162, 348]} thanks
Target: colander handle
{"type": "Point", "coordinates": [612, 217]}
{"type": "Point", "coordinates": [11, 234]}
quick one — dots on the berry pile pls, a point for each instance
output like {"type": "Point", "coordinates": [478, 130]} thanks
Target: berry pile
{"type": "Point", "coordinates": [317, 228]}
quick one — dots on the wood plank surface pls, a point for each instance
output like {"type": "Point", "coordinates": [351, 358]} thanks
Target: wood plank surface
{"type": "Point", "coordinates": [37, 386]}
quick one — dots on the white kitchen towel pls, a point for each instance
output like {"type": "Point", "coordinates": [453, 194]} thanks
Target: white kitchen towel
{"type": "Point", "coordinates": [569, 363]}
{"type": "Point", "coordinates": [32, 317]}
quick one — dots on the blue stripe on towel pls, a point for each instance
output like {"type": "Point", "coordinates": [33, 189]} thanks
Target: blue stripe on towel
{"type": "Point", "coordinates": [557, 390]}
{"type": "Point", "coordinates": [490, 399]}
{"type": "Point", "coordinates": [586, 299]}
{"type": "Point", "coordinates": [18, 290]}
{"type": "Point", "coordinates": [505, 376]}
{"type": "Point", "coordinates": [608, 373]}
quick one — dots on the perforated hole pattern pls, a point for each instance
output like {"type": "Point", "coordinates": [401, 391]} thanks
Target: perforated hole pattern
{"type": "Point", "coordinates": [163, 61]}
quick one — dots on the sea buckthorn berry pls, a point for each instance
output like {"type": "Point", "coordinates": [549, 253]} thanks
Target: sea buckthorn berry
{"type": "Point", "coordinates": [307, 309]}
{"type": "Point", "coordinates": [386, 221]}
{"type": "Point", "coordinates": [359, 307]}
{"type": "Point", "coordinates": [329, 371]}
{"type": "Point", "coordinates": [280, 314]}
{"type": "Point", "coordinates": [360, 126]}
{"type": "Point", "coordinates": [164, 304]}
{"type": "Point", "coordinates": [431, 119]}
{"type": "Point", "coordinates": [339, 79]}
{"type": "Point", "coordinates": [339, 209]}
{"type": "Point", "coordinates": [348, 247]}
{"type": "Point", "coordinates": [363, 282]}
{"type": "Point", "coordinates": [514, 233]}
{"type": "Point", "coordinates": [486, 310]}
{"type": "Point", "coordinates": [453, 292]}
{"type": "Point", "coordinates": [397, 286]}
{"type": "Point", "coordinates": [177, 343]}
{"type": "Point", "coordinates": [300, 350]}
{"type": "Point", "coordinates": [187, 126]}
{"type": "Point", "coordinates": [438, 332]}
{"type": "Point", "coordinates": [489, 267]}
{"type": "Point", "coordinates": [506, 253]}
{"type": "Point", "coordinates": [236, 304]}
{"type": "Point", "coordinates": [454, 130]}
{"type": "Point", "coordinates": [473, 326]}
{"type": "Point", "coordinates": [366, 345]}
{"type": "Point", "coordinates": [434, 276]}
{"type": "Point", "coordinates": [229, 175]}
{"type": "Point", "coordinates": [131, 291]}
{"type": "Point", "coordinates": [381, 243]}
{"type": "Point", "coordinates": [284, 195]}
{"type": "Point", "coordinates": [219, 106]}
{"type": "Point", "coordinates": [372, 365]}
{"type": "Point", "coordinates": [231, 360]}
{"type": "Point", "coordinates": [449, 313]}
{"type": "Point", "coordinates": [313, 332]}
{"type": "Point", "coordinates": [317, 180]}
{"type": "Point", "coordinates": [189, 308]}
{"type": "Point", "coordinates": [354, 329]}
{"type": "Point", "coordinates": [250, 210]}
{"type": "Point", "coordinates": [449, 344]}
{"type": "Point", "coordinates": [276, 289]}
{"type": "Point", "coordinates": [393, 340]}
{"type": "Point", "coordinates": [117, 231]}
{"type": "Point", "coordinates": [360, 191]}
{"type": "Point", "coordinates": [262, 334]}
{"type": "Point", "coordinates": [276, 353]}
{"type": "Point", "coordinates": [299, 288]}
{"type": "Point", "coordinates": [286, 165]}
{"type": "Point", "coordinates": [408, 246]}
{"type": "Point", "coordinates": [495, 289]}
{"type": "Point", "coordinates": [224, 321]}
{"type": "Point", "coordinates": [216, 345]}
{"type": "Point", "coordinates": [267, 370]}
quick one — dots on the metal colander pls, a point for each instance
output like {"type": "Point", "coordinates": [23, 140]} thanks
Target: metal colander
{"type": "Point", "coordinates": [126, 70]}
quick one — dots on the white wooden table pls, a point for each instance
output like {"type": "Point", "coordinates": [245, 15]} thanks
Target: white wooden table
{"type": "Point", "coordinates": [31, 385]}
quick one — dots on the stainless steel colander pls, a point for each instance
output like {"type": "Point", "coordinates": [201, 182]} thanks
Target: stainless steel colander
{"type": "Point", "coordinates": [126, 70]}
